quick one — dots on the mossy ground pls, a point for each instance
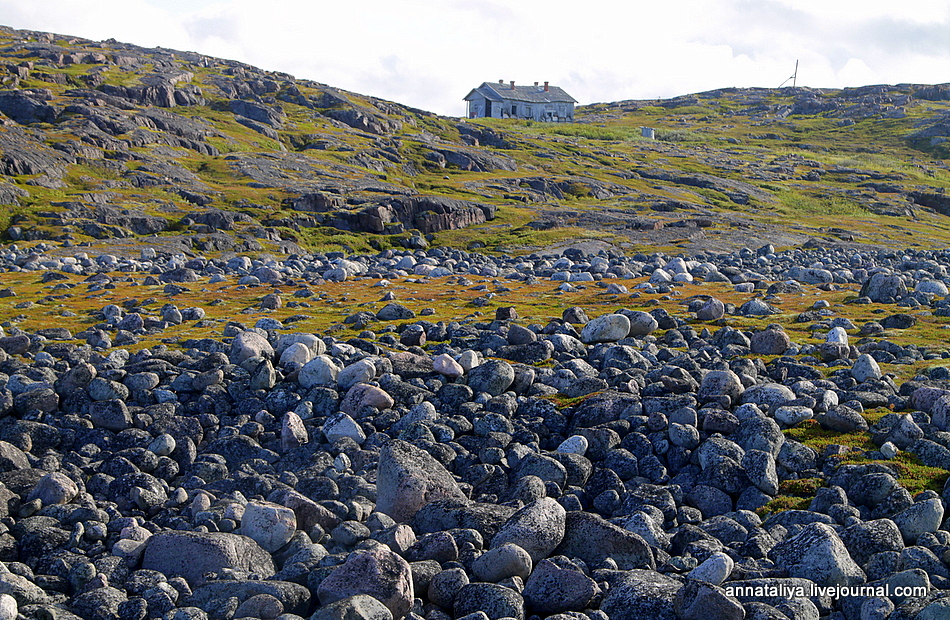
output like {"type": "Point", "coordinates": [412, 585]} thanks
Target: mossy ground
{"type": "Point", "coordinates": [69, 303]}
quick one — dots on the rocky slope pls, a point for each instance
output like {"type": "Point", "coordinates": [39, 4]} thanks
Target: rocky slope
{"type": "Point", "coordinates": [104, 140]}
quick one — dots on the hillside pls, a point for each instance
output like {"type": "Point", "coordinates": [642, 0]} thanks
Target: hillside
{"type": "Point", "coordinates": [700, 377]}
{"type": "Point", "coordinates": [105, 141]}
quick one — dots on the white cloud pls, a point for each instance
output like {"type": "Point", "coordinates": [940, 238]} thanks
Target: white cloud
{"type": "Point", "coordinates": [856, 73]}
{"type": "Point", "coordinates": [429, 55]}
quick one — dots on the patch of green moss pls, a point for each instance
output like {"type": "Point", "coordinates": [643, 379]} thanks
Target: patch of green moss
{"type": "Point", "coordinates": [793, 495]}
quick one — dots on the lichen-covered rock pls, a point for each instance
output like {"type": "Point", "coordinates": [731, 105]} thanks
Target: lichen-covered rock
{"type": "Point", "coordinates": [377, 572]}
{"type": "Point", "coordinates": [591, 538]}
{"type": "Point", "coordinates": [537, 528]}
{"type": "Point", "coordinates": [408, 479]}
{"type": "Point", "coordinates": [817, 553]}
{"type": "Point", "coordinates": [193, 555]}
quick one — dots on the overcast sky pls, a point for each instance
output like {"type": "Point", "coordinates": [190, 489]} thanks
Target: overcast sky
{"type": "Point", "coordinates": [429, 53]}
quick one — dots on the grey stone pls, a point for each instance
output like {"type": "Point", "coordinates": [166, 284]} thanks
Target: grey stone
{"type": "Point", "coordinates": [554, 588]}
{"type": "Point", "coordinates": [715, 569]}
{"type": "Point", "coordinates": [920, 518]}
{"type": "Point", "coordinates": [270, 525]}
{"type": "Point", "coordinates": [642, 323]}
{"type": "Point", "coordinates": [537, 528]}
{"type": "Point", "coordinates": [606, 328]}
{"type": "Point", "coordinates": [54, 488]}
{"type": "Point", "coordinates": [717, 384]}
{"type": "Point", "coordinates": [356, 607]}
{"type": "Point", "coordinates": [322, 370]}
{"type": "Point", "coordinates": [193, 555]}
{"type": "Point", "coordinates": [817, 553]}
{"type": "Point", "coordinates": [496, 601]}
{"type": "Point", "coordinates": [248, 344]}
{"type": "Point", "coordinates": [639, 594]}
{"type": "Point", "coordinates": [409, 478]}
{"type": "Point", "coordinates": [712, 310]}
{"type": "Point", "coordinates": [376, 571]}
{"type": "Point", "coordinates": [759, 466]}
{"type": "Point", "coordinates": [699, 600]}
{"type": "Point", "coordinates": [492, 376]}
{"type": "Point", "coordinates": [591, 538]}
{"type": "Point", "coordinates": [445, 586]}
{"type": "Point", "coordinates": [501, 562]}
{"type": "Point", "coordinates": [769, 342]}
{"type": "Point", "coordinates": [885, 288]}
{"type": "Point", "coordinates": [865, 368]}
{"type": "Point", "coordinates": [110, 414]}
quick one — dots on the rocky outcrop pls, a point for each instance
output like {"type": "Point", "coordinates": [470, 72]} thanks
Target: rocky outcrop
{"type": "Point", "coordinates": [470, 159]}
{"type": "Point", "coordinates": [269, 115]}
{"type": "Point", "coordinates": [28, 106]}
{"type": "Point", "coordinates": [21, 154]}
{"type": "Point", "coordinates": [364, 120]}
{"type": "Point", "coordinates": [425, 213]}
{"type": "Point", "coordinates": [219, 219]}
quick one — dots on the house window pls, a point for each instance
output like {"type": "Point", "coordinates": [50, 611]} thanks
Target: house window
{"type": "Point", "coordinates": [514, 110]}
{"type": "Point", "coordinates": [527, 111]}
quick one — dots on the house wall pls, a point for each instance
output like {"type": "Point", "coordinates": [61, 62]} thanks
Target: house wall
{"type": "Point", "coordinates": [477, 108]}
{"type": "Point", "coordinates": [542, 112]}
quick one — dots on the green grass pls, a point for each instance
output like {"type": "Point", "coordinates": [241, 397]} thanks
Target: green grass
{"type": "Point", "coordinates": [792, 495]}
{"type": "Point", "coordinates": [805, 204]}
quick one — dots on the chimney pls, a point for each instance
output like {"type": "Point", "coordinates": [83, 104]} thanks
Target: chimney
{"type": "Point", "coordinates": [501, 81]}
{"type": "Point", "coordinates": [512, 84]}
{"type": "Point", "coordinates": [535, 83]}
{"type": "Point", "coordinates": [545, 87]}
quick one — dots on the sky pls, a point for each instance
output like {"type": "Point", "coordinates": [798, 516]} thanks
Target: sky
{"type": "Point", "coordinates": [429, 54]}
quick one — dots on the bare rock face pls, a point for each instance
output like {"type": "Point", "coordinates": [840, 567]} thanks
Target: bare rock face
{"type": "Point", "coordinates": [426, 213]}
{"type": "Point", "coordinates": [377, 572]}
{"type": "Point", "coordinates": [408, 479]}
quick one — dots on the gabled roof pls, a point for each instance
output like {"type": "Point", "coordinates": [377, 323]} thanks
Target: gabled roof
{"type": "Point", "coordinates": [531, 94]}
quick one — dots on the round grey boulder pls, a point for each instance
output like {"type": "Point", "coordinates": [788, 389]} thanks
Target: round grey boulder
{"type": "Point", "coordinates": [491, 376]}
{"type": "Point", "coordinates": [606, 328]}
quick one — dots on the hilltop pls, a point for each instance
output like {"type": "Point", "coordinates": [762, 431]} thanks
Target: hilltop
{"type": "Point", "coordinates": [105, 141]}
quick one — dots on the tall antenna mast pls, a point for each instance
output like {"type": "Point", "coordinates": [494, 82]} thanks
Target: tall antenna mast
{"type": "Point", "coordinates": [794, 77]}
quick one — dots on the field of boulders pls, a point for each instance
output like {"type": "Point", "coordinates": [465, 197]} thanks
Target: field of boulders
{"type": "Point", "coordinates": [441, 434]}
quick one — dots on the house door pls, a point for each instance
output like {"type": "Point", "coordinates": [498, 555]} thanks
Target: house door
{"type": "Point", "coordinates": [487, 108]}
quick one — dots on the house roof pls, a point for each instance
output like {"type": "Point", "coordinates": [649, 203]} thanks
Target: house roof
{"type": "Point", "coordinates": [531, 94]}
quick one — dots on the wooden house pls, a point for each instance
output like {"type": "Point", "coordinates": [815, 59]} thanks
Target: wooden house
{"type": "Point", "coordinates": [544, 103]}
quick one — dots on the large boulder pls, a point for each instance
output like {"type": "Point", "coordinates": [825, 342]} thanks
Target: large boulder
{"type": "Point", "coordinates": [591, 538]}
{"type": "Point", "coordinates": [537, 528]}
{"type": "Point", "coordinates": [377, 572]}
{"type": "Point", "coordinates": [249, 344]}
{"type": "Point", "coordinates": [193, 555]}
{"type": "Point", "coordinates": [409, 478]}
{"type": "Point", "coordinates": [818, 554]}
{"type": "Point", "coordinates": [884, 288]}
{"type": "Point", "coordinates": [492, 377]}
{"type": "Point", "coordinates": [554, 588]}
{"type": "Point", "coordinates": [606, 328]}
{"type": "Point", "coordinates": [639, 594]}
